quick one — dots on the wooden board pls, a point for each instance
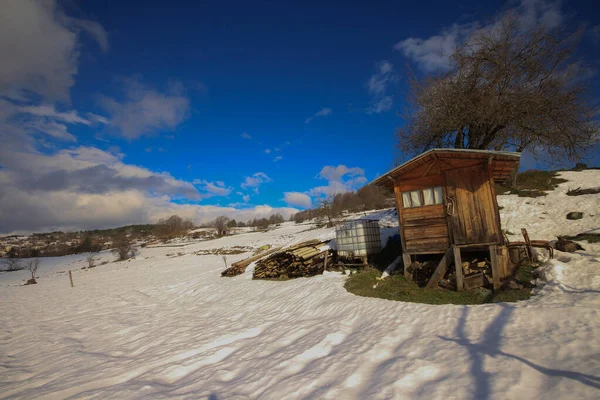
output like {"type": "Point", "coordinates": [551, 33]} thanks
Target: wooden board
{"type": "Point", "coordinates": [439, 272]}
{"type": "Point", "coordinates": [473, 218]}
{"type": "Point", "coordinates": [458, 268]}
{"type": "Point", "coordinates": [430, 245]}
{"type": "Point", "coordinates": [424, 228]}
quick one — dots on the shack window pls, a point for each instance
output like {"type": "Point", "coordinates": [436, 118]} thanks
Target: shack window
{"type": "Point", "coordinates": [415, 198]}
{"type": "Point", "coordinates": [438, 194]}
{"type": "Point", "coordinates": [428, 197]}
{"type": "Point", "coordinates": [406, 200]}
{"type": "Point", "coordinates": [423, 197]}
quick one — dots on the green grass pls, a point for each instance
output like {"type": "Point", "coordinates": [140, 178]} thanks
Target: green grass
{"type": "Point", "coordinates": [397, 287]}
{"type": "Point", "coordinates": [532, 184]}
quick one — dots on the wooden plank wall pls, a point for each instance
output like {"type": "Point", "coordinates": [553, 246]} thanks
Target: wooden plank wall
{"type": "Point", "coordinates": [425, 228]}
{"type": "Point", "coordinates": [474, 219]}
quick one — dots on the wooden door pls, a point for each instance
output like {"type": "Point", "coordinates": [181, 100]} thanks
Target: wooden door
{"type": "Point", "coordinates": [471, 206]}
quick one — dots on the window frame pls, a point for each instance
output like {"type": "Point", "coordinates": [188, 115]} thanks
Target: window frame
{"type": "Point", "coordinates": [408, 194]}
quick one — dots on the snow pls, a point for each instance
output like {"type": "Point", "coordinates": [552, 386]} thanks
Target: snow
{"type": "Point", "coordinates": [169, 326]}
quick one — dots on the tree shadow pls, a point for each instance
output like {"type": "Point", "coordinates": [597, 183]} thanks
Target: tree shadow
{"type": "Point", "coordinates": [490, 346]}
{"type": "Point", "coordinates": [571, 289]}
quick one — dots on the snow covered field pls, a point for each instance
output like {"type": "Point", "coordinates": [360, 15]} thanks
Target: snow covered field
{"type": "Point", "coordinates": [170, 327]}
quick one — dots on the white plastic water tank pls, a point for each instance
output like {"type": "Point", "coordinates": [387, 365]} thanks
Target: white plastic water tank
{"type": "Point", "coordinates": [358, 238]}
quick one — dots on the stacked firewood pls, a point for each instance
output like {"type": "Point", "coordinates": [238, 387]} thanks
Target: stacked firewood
{"type": "Point", "coordinates": [240, 266]}
{"type": "Point", "coordinates": [422, 271]}
{"type": "Point", "coordinates": [475, 266]}
{"type": "Point", "coordinates": [295, 262]}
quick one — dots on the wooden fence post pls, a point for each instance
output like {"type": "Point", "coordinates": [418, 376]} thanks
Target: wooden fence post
{"type": "Point", "coordinates": [71, 278]}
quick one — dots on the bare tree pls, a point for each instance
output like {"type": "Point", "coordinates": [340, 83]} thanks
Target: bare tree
{"type": "Point", "coordinates": [32, 266]}
{"type": "Point", "coordinates": [12, 264]}
{"type": "Point", "coordinates": [91, 260]}
{"type": "Point", "coordinates": [513, 87]}
{"type": "Point", "coordinates": [123, 247]}
{"type": "Point", "coordinates": [173, 226]}
{"type": "Point", "coordinates": [220, 224]}
{"type": "Point", "coordinates": [330, 209]}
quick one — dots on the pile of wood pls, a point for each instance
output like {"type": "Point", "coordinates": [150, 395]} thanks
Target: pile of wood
{"type": "Point", "coordinates": [305, 259]}
{"type": "Point", "coordinates": [477, 273]}
{"type": "Point", "coordinates": [239, 267]}
{"type": "Point", "coordinates": [421, 272]}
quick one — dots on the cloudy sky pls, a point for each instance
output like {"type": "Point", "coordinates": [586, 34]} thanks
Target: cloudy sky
{"type": "Point", "coordinates": [111, 115]}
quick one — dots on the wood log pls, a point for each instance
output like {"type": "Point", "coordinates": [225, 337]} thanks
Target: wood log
{"type": "Point", "coordinates": [239, 267]}
{"type": "Point", "coordinates": [439, 272]}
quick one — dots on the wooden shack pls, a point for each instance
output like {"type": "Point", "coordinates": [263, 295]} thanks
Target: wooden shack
{"type": "Point", "coordinates": [446, 203]}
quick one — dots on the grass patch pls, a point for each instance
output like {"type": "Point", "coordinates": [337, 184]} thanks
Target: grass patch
{"type": "Point", "coordinates": [532, 184]}
{"type": "Point", "coordinates": [397, 287]}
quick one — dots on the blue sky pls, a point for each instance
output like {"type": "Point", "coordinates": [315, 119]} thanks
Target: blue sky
{"type": "Point", "coordinates": [128, 113]}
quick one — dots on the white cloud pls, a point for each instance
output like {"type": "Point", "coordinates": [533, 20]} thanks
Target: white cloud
{"type": "Point", "coordinates": [39, 47]}
{"type": "Point", "coordinates": [378, 85]}
{"type": "Point", "coordinates": [383, 104]}
{"type": "Point", "coordinates": [278, 158]}
{"type": "Point", "coordinates": [51, 128]}
{"type": "Point", "coordinates": [246, 198]}
{"type": "Point", "coordinates": [211, 189]}
{"type": "Point", "coordinates": [86, 188]}
{"type": "Point", "coordinates": [339, 179]}
{"type": "Point", "coordinates": [323, 112]}
{"type": "Point", "coordinates": [145, 110]}
{"type": "Point", "coordinates": [48, 110]}
{"type": "Point", "coordinates": [245, 135]}
{"type": "Point", "coordinates": [255, 181]}
{"type": "Point", "coordinates": [433, 53]}
{"type": "Point", "coordinates": [297, 199]}
{"type": "Point", "coordinates": [268, 151]}
{"type": "Point", "coordinates": [336, 173]}
{"type": "Point", "coordinates": [97, 118]}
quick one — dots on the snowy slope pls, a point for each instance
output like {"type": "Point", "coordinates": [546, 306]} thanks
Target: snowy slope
{"type": "Point", "coordinates": [168, 326]}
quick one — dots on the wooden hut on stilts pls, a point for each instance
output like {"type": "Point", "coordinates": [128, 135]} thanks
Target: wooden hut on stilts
{"type": "Point", "coordinates": [447, 205]}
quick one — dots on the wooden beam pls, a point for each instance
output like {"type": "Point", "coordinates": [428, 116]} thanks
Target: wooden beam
{"type": "Point", "coordinates": [429, 168]}
{"type": "Point", "coordinates": [458, 268]}
{"type": "Point", "coordinates": [439, 272]}
{"type": "Point", "coordinates": [527, 243]}
{"type": "Point", "coordinates": [495, 269]}
{"type": "Point", "coordinates": [407, 261]}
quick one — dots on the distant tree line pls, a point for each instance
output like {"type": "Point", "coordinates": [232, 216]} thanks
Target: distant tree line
{"type": "Point", "coordinates": [329, 208]}
{"type": "Point", "coordinates": [222, 223]}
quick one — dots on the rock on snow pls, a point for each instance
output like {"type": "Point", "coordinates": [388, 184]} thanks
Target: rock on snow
{"type": "Point", "coordinates": [170, 327]}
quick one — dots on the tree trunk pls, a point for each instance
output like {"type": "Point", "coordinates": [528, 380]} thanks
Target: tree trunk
{"type": "Point", "coordinates": [513, 183]}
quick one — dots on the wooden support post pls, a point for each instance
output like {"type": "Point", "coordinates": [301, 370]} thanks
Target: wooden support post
{"type": "Point", "coordinates": [407, 261]}
{"type": "Point", "coordinates": [71, 278]}
{"type": "Point", "coordinates": [527, 243]}
{"type": "Point", "coordinates": [458, 267]}
{"type": "Point", "coordinates": [365, 261]}
{"type": "Point", "coordinates": [325, 260]}
{"type": "Point", "coordinates": [439, 272]}
{"type": "Point", "coordinates": [502, 253]}
{"type": "Point", "coordinates": [495, 269]}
